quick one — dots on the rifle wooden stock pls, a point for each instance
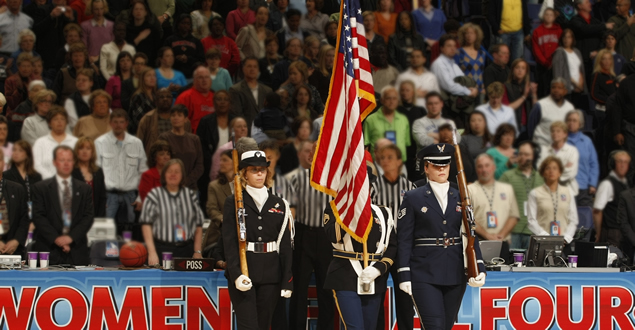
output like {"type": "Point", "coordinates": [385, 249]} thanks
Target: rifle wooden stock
{"type": "Point", "coordinates": [468, 215]}
{"type": "Point", "coordinates": [240, 216]}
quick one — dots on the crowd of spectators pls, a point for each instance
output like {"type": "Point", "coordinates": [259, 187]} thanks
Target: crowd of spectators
{"type": "Point", "coordinates": [141, 99]}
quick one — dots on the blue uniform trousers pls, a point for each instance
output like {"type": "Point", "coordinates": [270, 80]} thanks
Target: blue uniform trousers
{"type": "Point", "coordinates": [358, 311]}
{"type": "Point", "coordinates": [438, 304]}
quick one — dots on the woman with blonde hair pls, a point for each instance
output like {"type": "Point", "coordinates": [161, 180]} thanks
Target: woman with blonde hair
{"type": "Point", "coordinates": [86, 170]}
{"type": "Point", "coordinates": [269, 251]}
{"type": "Point", "coordinates": [312, 49]}
{"type": "Point", "coordinates": [321, 77]}
{"type": "Point", "coordinates": [470, 58]}
{"type": "Point", "coordinates": [298, 76]}
{"type": "Point", "coordinates": [251, 38]}
{"type": "Point", "coordinates": [142, 100]}
{"type": "Point", "coordinates": [603, 82]}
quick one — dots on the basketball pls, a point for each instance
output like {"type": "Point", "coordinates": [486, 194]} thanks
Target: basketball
{"type": "Point", "coordinates": [133, 254]}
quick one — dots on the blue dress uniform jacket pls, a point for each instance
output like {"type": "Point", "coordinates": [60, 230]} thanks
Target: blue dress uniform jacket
{"type": "Point", "coordinates": [341, 276]}
{"type": "Point", "coordinates": [262, 226]}
{"type": "Point", "coordinates": [420, 216]}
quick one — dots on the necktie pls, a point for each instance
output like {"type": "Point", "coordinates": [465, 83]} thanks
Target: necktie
{"type": "Point", "coordinates": [66, 206]}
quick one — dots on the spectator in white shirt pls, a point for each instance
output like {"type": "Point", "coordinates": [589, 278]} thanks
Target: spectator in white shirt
{"type": "Point", "coordinates": [551, 208]}
{"type": "Point", "coordinates": [123, 160]}
{"type": "Point", "coordinates": [495, 111]}
{"type": "Point", "coordinates": [12, 21]}
{"type": "Point", "coordinates": [446, 69]}
{"type": "Point", "coordinates": [495, 207]}
{"type": "Point", "coordinates": [57, 119]}
{"type": "Point", "coordinates": [424, 80]}
{"type": "Point", "coordinates": [567, 154]}
{"type": "Point", "coordinates": [426, 130]}
{"type": "Point", "coordinates": [605, 207]}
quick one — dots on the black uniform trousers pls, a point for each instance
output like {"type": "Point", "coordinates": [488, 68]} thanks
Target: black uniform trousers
{"type": "Point", "coordinates": [403, 306]}
{"type": "Point", "coordinates": [438, 304]}
{"type": "Point", "coordinates": [358, 312]}
{"type": "Point", "coordinates": [254, 308]}
{"type": "Point", "coordinates": [313, 252]}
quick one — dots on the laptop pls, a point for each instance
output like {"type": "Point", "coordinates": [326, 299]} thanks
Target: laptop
{"type": "Point", "coordinates": [490, 250]}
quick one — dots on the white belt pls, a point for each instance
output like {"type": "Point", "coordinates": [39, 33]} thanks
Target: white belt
{"type": "Point", "coordinates": [262, 247]}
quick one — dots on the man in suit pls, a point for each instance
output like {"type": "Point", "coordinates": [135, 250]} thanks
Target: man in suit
{"type": "Point", "coordinates": [14, 215]}
{"type": "Point", "coordinates": [63, 212]}
{"type": "Point", "coordinates": [248, 96]}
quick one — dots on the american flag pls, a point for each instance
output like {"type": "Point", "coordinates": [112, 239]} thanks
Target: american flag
{"type": "Point", "coordinates": [339, 167]}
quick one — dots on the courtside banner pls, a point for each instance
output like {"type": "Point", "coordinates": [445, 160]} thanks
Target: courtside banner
{"type": "Point", "coordinates": [95, 300]}
{"type": "Point", "coordinates": [159, 300]}
{"type": "Point", "coordinates": [540, 301]}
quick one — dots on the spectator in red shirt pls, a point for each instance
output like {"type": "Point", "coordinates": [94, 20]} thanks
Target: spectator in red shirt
{"type": "Point", "coordinates": [239, 18]}
{"type": "Point", "coordinates": [199, 99]}
{"type": "Point", "coordinates": [160, 153]}
{"type": "Point", "coordinates": [230, 56]}
{"type": "Point", "coordinates": [544, 44]}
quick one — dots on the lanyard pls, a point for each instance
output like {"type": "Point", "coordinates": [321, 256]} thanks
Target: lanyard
{"type": "Point", "coordinates": [1, 187]}
{"type": "Point", "coordinates": [28, 188]}
{"type": "Point", "coordinates": [490, 200]}
{"type": "Point", "coordinates": [554, 201]}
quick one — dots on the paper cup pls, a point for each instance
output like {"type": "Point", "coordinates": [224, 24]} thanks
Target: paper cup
{"type": "Point", "coordinates": [44, 259]}
{"type": "Point", "coordinates": [127, 236]}
{"type": "Point", "coordinates": [167, 260]}
{"type": "Point", "coordinates": [32, 257]}
{"type": "Point", "coordinates": [519, 258]}
{"type": "Point", "coordinates": [573, 261]}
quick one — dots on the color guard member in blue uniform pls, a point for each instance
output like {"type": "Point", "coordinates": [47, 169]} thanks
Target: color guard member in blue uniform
{"type": "Point", "coordinates": [359, 310]}
{"type": "Point", "coordinates": [431, 264]}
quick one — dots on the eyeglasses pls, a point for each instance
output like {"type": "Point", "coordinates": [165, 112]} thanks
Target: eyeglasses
{"type": "Point", "coordinates": [256, 170]}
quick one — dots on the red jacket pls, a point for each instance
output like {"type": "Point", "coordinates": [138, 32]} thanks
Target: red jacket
{"type": "Point", "coordinates": [150, 179]}
{"type": "Point", "coordinates": [544, 43]}
{"type": "Point", "coordinates": [230, 56]}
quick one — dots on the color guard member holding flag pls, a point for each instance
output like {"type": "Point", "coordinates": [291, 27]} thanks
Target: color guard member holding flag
{"type": "Point", "coordinates": [431, 264]}
{"type": "Point", "coordinates": [347, 276]}
{"type": "Point", "coordinates": [269, 251]}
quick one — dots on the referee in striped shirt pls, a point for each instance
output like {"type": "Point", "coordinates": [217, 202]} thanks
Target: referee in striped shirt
{"type": "Point", "coordinates": [313, 251]}
{"type": "Point", "coordinates": [388, 190]}
{"type": "Point", "coordinates": [171, 217]}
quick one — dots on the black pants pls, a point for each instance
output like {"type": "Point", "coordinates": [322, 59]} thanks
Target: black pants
{"type": "Point", "coordinates": [313, 252]}
{"type": "Point", "coordinates": [438, 304]}
{"type": "Point", "coordinates": [254, 308]}
{"type": "Point", "coordinates": [403, 306]}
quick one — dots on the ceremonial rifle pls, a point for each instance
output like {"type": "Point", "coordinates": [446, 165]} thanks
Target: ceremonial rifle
{"type": "Point", "coordinates": [241, 226]}
{"type": "Point", "coordinates": [468, 213]}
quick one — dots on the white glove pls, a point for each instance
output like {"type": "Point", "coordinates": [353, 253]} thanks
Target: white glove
{"type": "Point", "coordinates": [406, 287]}
{"type": "Point", "coordinates": [243, 283]}
{"type": "Point", "coordinates": [369, 274]}
{"type": "Point", "coordinates": [285, 293]}
{"type": "Point", "coordinates": [478, 281]}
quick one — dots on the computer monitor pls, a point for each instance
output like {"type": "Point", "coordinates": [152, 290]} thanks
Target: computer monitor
{"type": "Point", "coordinates": [544, 250]}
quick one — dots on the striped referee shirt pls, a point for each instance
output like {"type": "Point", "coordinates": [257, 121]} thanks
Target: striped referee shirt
{"type": "Point", "coordinates": [282, 188]}
{"type": "Point", "coordinates": [390, 194]}
{"type": "Point", "coordinates": [165, 211]}
{"type": "Point", "coordinates": [310, 202]}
